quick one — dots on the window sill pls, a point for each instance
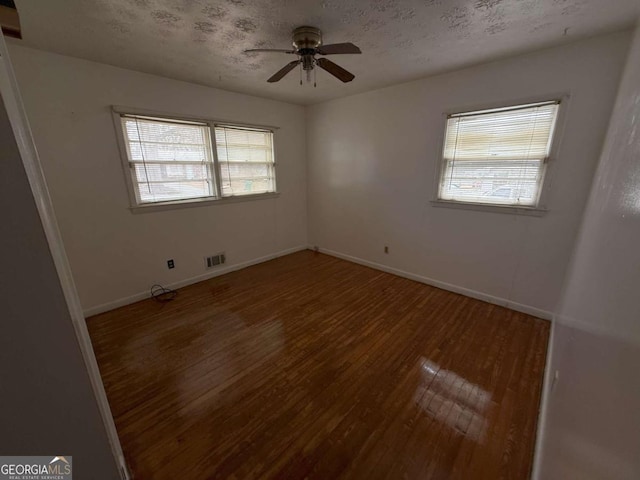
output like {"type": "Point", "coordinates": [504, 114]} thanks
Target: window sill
{"type": "Point", "coordinates": [200, 202]}
{"type": "Point", "coordinates": [509, 209]}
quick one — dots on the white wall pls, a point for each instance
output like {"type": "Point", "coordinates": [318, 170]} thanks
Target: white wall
{"type": "Point", "coordinates": [592, 427]}
{"type": "Point", "coordinates": [115, 254]}
{"type": "Point", "coordinates": [372, 161]}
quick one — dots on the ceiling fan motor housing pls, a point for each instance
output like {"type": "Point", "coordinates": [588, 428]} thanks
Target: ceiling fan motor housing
{"type": "Point", "coordinates": [307, 38]}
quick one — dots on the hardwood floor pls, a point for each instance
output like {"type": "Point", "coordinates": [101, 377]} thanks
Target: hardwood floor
{"type": "Point", "coordinates": [308, 366]}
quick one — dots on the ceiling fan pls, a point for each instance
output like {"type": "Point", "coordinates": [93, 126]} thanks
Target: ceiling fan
{"type": "Point", "coordinates": [307, 43]}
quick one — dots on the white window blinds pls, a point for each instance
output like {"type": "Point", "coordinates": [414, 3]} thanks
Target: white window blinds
{"type": "Point", "coordinates": [497, 156]}
{"type": "Point", "coordinates": [176, 160]}
{"type": "Point", "coordinates": [246, 160]}
{"type": "Point", "coordinates": [169, 160]}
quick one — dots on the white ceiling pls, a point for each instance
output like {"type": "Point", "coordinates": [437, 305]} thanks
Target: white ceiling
{"type": "Point", "coordinates": [201, 41]}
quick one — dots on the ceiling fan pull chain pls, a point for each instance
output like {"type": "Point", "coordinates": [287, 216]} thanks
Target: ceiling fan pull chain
{"type": "Point", "coordinates": [300, 73]}
{"type": "Point", "coordinates": [315, 76]}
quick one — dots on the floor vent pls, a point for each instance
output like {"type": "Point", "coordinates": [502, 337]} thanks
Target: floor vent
{"type": "Point", "coordinates": [215, 260]}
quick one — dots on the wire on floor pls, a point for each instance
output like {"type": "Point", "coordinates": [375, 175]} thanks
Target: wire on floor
{"type": "Point", "coordinates": [162, 294]}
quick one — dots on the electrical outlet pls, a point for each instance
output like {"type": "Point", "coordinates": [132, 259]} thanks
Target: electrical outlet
{"type": "Point", "coordinates": [170, 264]}
{"type": "Point", "coordinates": [386, 249]}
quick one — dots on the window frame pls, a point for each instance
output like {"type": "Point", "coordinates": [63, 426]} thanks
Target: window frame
{"type": "Point", "coordinates": [117, 111]}
{"type": "Point", "coordinates": [219, 178]}
{"type": "Point", "coordinates": [541, 207]}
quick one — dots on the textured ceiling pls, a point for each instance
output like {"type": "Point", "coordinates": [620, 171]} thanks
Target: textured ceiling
{"type": "Point", "coordinates": [201, 41]}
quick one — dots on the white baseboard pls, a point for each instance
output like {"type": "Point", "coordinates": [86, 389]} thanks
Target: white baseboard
{"type": "Point", "coordinates": [547, 385]}
{"type": "Point", "coordinates": [105, 307]}
{"type": "Point", "coordinates": [536, 312]}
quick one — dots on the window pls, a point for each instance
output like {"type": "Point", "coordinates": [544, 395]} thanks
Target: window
{"type": "Point", "coordinates": [499, 156]}
{"type": "Point", "coordinates": [173, 160]}
{"type": "Point", "coordinates": [246, 160]}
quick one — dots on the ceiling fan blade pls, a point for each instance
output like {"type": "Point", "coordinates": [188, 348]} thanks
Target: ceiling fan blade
{"type": "Point", "coordinates": [337, 48]}
{"type": "Point", "coordinates": [335, 70]}
{"type": "Point", "coordinates": [256, 50]}
{"type": "Point", "coordinates": [283, 71]}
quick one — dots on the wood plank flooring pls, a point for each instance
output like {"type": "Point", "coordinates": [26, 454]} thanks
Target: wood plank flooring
{"type": "Point", "coordinates": [308, 366]}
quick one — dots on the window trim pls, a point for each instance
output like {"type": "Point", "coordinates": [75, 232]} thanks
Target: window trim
{"type": "Point", "coordinates": [118, 110]}
{"type": "Point", "coordinates": [541, 207]}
